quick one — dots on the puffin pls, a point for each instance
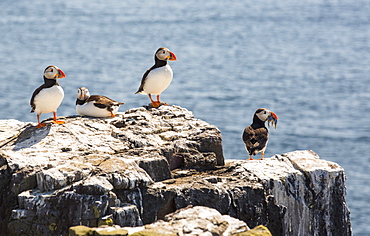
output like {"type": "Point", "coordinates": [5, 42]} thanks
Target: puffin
{"type": "Point", "coordinates": [255, 136]}
{"type": "Point", "coordinates": [95, 105]}
{"type": "Point", "coordinates": [156, 79]}
{"type": "Point", "coordinates": [48, 97]}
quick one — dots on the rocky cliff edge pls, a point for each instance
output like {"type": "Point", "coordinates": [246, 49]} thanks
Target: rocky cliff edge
{"type": "Point", "coordinates": [144, 164]}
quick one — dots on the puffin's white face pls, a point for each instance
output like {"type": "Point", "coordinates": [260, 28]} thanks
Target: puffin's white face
{"type": "Point", "coordinates": [263, 114]}
{"type": "Point", "coordinates": [83, 93]}
{"type": "Point", "coordinates": [164, 54]}
{"type": "Point", "coordinates": [53, 72]}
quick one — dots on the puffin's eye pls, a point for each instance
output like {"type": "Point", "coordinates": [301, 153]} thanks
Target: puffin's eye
{"type": "Point", "coordinates": [264, 112]}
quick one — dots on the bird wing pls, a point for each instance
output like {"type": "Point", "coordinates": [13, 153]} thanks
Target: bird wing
{"type": "Point", "coordinates": [145, 76]}
{"type": "Point", "coordinates": [32, 101]}
{"type": "Point", "coordinates": [104, 102]}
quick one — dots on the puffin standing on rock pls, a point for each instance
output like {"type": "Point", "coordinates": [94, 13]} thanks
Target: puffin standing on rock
{"type": "Point", "coordinates": [158, 77]}
{"type": "Point", "coordinates": [95, 105]}
{"type": "Point", "coordinates": [48, 96]}
{"type": "Point", "coordinates": [256, 135]}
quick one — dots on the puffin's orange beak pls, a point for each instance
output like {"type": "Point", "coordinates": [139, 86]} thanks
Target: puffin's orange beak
{"type": "Point", "coordinates": [61, 74]}
{"type": "Point", "coordinates": [274, 115]}
{"type": "Point", "coordinates": [172, 57]}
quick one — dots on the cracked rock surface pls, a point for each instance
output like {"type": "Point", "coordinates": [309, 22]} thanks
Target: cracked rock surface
{"type": "Point", "coordinates": [295, 193]}
{"type": "Point", "coordinates": [144, 164]}
{"type": "Point", "coordinates": [63, 175]}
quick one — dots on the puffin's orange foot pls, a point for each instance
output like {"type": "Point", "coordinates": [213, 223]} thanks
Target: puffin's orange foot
{"type": "Point", "coordinates": [40, 125]}
{"type": "Point", "coordinates": [250, 158]}
{"type": "Point", "coordinates": [156, 104]}
{"type": "Point", "coordinates": [59, 122]}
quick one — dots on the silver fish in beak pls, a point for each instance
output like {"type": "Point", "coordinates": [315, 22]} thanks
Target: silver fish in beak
{"type": "Point", "coordinates": [272, 119]}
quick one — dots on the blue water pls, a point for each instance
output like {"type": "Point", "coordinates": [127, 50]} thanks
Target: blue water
{"type": "Point", "coordinates": [308, 61]}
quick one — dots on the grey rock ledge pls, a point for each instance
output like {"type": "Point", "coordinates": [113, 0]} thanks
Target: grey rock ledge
{"type": "Point", "coordinates": [143, 164]}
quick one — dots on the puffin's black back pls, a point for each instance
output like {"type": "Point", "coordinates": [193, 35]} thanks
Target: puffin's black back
{"type": "Point", "coordinates": [100, 101]}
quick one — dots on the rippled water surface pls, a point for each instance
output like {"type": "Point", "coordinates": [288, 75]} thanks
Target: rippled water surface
{"type": "Point", "coordinates": [308, 61]}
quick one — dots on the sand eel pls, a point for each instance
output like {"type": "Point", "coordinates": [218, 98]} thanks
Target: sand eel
{"type": "Point", "coordinates": [256, 135]}
{"type": "Point", "coordinates": [48, 96]}
{"type": "Point", "coordinates": [95, 105]}
{"type": "Point", "coordinates": [158, 77]}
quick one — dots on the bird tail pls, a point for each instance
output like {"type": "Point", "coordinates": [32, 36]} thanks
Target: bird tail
{"type": "Point", "coordinates": [140, 91]}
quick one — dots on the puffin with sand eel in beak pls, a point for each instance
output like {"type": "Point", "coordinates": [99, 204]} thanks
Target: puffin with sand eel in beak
{"type": "Point", "coordinates": [256, 135]}
{"type": "Point", "coordinates": [48, 97]}
{"type": "Point", "coordinates": [156, 79]}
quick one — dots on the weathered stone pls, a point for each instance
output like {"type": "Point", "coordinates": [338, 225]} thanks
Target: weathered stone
{"type": "Point", "coordinates": [127, 215]}
{"type": "Point", "coordinates": [292, 194]}
{"type": "Point", "coordinates": [118, 171]}
{"type": "Point", "coordinates": [80, 230]}
{"type": "Point", "coordinates": [309, 190]}
{"type": "Point", "coordinates": [64, 175]}
{"type": "Point", "coordinates": [22, 214]}
{"type": "Point", "coordinates": [124, 174]}
{"type": "Point", "coordinates": [199, 220]}
{"type": "Point", "coordinates": [66, 208]}
{"type": "Point", "coordinates": [94, 185]}
{"type": "Point", "coordinates": [110, 231]}
{"type": "Point", "coordinates": [153, 232]}
{"type": "Point", "coordinates": [289, 193]}
{"type": "Point", "coordinates": [10, 130]}
{"type": "Point", "coordinates": [61, 176]}
{"type": "Point", "coordinates": [256, 231]}
{"type": "Point", "coordinates": [189, 221]}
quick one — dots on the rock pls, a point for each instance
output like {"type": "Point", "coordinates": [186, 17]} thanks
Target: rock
{"type": "Point", "coordinates": [80, 230]}
{"type": "Point", "coordinates": [155, 232]}
{"type": "Point", "coordinates": [198, 220]}
{"type": "Point", "coordinates": [127, 215]}
{"type": "Point", "coordinates": [256, 231]}
{"type": "Point", "coordinates": [111, 231]}
{"type": "Point", "coordinates": [144, 165]}
{"type": "Point", "coordinates": [187, 221]}
{"type": "Point", "coordinates": [292, 194]}
{"type": "Point", "coordinates": [63, 175]}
